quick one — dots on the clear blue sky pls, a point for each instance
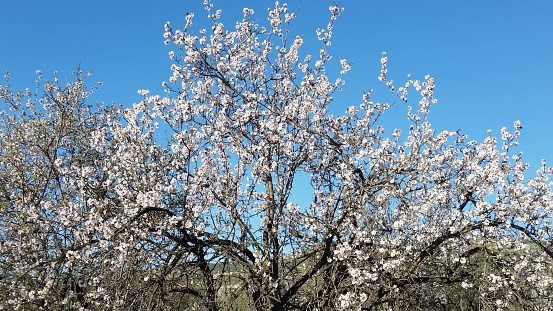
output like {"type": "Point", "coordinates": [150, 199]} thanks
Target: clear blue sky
{"type": "Point", "coordinates": [492, 60]}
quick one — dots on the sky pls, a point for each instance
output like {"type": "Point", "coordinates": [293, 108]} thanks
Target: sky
{"type": "Point", "coordinates": [492, 60]}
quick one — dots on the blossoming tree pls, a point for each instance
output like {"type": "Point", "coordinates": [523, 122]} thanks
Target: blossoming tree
{"type": "Point", "coordinates": [184, 200]}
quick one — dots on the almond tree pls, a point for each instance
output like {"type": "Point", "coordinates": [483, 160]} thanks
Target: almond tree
{"type": "Point", "coordinates": [184, 200]}
{"type": "Point", "coordinates": [43, 215]}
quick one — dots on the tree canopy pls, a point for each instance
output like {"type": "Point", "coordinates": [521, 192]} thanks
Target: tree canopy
{"type": "Point", "coordinates": [184, 200]}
